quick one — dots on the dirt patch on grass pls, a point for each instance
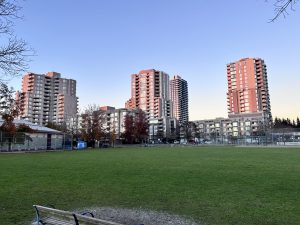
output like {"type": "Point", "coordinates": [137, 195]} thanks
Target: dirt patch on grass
{"type": "Point", "coordinates": [139, 216]}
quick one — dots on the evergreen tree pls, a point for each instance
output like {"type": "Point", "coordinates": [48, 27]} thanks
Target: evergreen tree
{"type": "Point", "coordinates": [298, 122]}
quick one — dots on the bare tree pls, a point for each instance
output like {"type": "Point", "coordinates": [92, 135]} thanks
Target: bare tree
{"type": "Point", "coordinates": [141, 126]}
{"type": "Point", "coordinates": [129, 129]}
{"type": "Point", "coordinates": [92, 125]}
{"type": "Point", "coordinates": [136, 127]}
{"type": "Point", "coordinates": [281, 7]}
{"type": "Point", "coordinates": [186, 130]}
{"type": "Point", "coordinates": [14, 52]}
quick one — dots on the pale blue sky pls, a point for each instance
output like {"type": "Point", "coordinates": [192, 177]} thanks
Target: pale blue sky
{"type": "Point", "coordinates": [100, 43]}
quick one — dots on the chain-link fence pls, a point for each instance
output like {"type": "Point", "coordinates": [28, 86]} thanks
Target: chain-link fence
{"type": "Point", "coordinates": [280, 137]}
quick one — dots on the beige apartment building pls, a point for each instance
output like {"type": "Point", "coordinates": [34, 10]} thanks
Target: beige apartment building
{"type": "Point", "coordinates": [48, 98]}
{"type": "Point", "coordinates": [114, 120]}
{"type": "Point", "coordinates": [248, 124]}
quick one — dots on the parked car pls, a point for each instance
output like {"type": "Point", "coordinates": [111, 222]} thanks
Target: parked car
{"type": "Point", "coordinates": [104, 145]}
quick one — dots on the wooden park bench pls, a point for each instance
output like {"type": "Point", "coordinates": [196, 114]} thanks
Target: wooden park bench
{"type": "Point", "coordinates": [50, 216]}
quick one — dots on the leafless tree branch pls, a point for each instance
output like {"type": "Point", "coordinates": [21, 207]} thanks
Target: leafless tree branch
{"type": "Point", "coordinates": [8, 12]}
{"type": "Point", "coordinates": [281, 8]}
{"type": "Point", "coordinates": [14, 52]}
{"type": "Point", "coordinates": [14, 57]}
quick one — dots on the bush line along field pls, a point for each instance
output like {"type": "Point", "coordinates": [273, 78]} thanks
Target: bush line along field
{"type": "Point", "coordinates": [212, 185]}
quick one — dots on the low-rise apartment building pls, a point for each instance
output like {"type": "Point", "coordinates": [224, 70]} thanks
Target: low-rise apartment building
{"type": "Point", "coordinates": [251, 124]}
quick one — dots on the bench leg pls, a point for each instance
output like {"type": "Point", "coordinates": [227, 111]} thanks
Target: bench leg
{"type": "Point", "coordinates": [37, 215]}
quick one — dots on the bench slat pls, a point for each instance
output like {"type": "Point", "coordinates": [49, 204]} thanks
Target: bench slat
{"type": "Point", "coordinates": [54, 221]}
{"type": "Point", "coordinates": [85, 220]}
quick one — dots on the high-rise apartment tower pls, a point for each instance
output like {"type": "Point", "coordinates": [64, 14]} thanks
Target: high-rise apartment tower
{"type": "Point", "coordinates": [248, 90]}
{"type": "Point", "coordinates": [47, 98]}
{"type": "Point", "coordinates": [179, 97]}
{"type": "Point", "coordinates": [150, 92]}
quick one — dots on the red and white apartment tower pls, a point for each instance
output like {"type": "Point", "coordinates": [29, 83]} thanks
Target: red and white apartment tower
{"type": "Point", "coordinates": [150, 92]}
{"type": "Point", "coordinates": [248, 90]}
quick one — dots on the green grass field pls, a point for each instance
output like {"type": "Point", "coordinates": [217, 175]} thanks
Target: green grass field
{"type": "Point", "coordinates": [212, 185]}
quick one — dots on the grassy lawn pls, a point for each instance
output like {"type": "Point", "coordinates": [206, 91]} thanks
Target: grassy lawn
{"type": "Point", "coordinates": [213, 185]}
